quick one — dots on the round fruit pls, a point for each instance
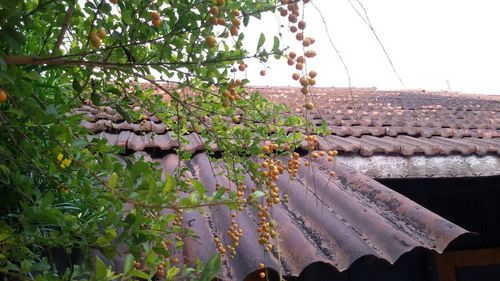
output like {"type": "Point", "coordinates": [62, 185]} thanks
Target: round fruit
{"type": "Point", "coordinates": [96, 41]}
{"type": "Point", "coordinates": [310, 53]}
{"type": "Point", "coordinates": [242, 67]}
{"type": "Point", "coordinates": [293, 29]}
{"type": "Point", "coordinates": [156, 22]}
{"type": "Point", "coordinates": [309, 105]}
{"type": "Point", "coordinates": [3, 96]}
{"type": "Point", "coordinates": [299, 66]}
{"type": "Point", "coordinates": [291, 62]}
{"type": "Point", "coordinates": [312, 73]}
{"type": "Point", "coordinates": [262, 73]}
{"type": "Point", "coordinates": [266, 149]}
{"type": "Point", "coordinates": [262, 275]}
{"type": "Point", "coordinates": [304, 90]}
{"type": "Point", "coordinates": [236, 22]}
{"type": "Point", "coordinates": [292, 18]}
{"type": "Point", "coordinates": [300, 36]}
{"type": "Point", "coordinates": [296, 76]}
{"type": "Point", "coordinates": [213, 20]}
{"type": "Point", "coordinates": [220, 2]}
{"type": "Point", "coordinates": [283, 13]}
{"type": "Point", "coordinates": [233, 30]}
{"type": "Point", "coordinates": [214, 11]}
{"type": "Point", "coordinates": [304, 81]}
{"type": "Point", "coordinates": [101, 33]}
{"type": "Point", "coordinates": [211, 41]}
{"type": "Point", "coordinates": [301, 59]}
{"type": "Point", "coordinates": [261, 266]}
{"type": "Point", "coordinates": [221, 21]}
{"type": "Point", "coordinates": [236, 12]}
{"type": "Point", "coordinates": [155, 15]}
{"type": "Point", "coordinates": [292, 55]}
{"type": "Point", "coordinates": [235, 119]}
{"type": "Point", "coordinates": [302, 24]}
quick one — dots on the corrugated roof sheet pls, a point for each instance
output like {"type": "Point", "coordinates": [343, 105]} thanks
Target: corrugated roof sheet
{"type": "Point", "coordinates": [334, 220]}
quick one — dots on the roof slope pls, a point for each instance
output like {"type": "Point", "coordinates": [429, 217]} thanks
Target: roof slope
{"type": "Point", "coordinates": [400, 122]}
{"type": "Point", "coordinates": [335, 220]}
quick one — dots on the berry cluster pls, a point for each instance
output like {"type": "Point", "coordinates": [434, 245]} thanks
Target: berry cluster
{"type": "Point", "coordinates": [235, 233]}
{"type": "Point", "coordinates": [96, 38]}
{"type": "Point", "coordinates": [265, 228]}
{"type": "Point", "coordinates": [231, 94]}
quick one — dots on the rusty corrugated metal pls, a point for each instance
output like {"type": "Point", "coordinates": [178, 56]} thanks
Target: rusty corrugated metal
{"type": "Point", "coordinates": [334, 220]}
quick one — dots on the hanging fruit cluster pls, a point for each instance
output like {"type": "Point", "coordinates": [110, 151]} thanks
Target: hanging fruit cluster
{"type": "Point", "coordinates": [96, 38]}
{"type": "Point", "coordinates": [235, 233]}
{"type": "Point", "coordinates": [178, 218]}
{"type": "Point", "coordinates": [291, 10]}
{"type": "Point", "coordinates": [231, 94]}
{"type": "Point", "coordinates": [265, 228]}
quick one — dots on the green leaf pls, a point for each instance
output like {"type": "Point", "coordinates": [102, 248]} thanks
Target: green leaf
{"type": "Point", "coordinates": [169, 185]}
{"type": "Point", "coordinates": [219, 193]}
{"type": "Point", "coordinates": [211, 268]}
{"type": "Point", "coordinates": [77, 86]}
{"type": "Point", "coordinates": [139, 274]}
{"type": "Point", "coordinates": [4, 236]}
{"type": "Point", "coordinates": [276, 44]}
{"type": "Point", "coordinates": [262, 39]}
{"type": "Point", "coordinates": [95, 98]}
{"type": "Point", "coordinates": [257, 194]}
{"type": "Point", "coordinates": [114, 90]}
{"type": "Point", "coordinates": [113, 179]}
{"type": "Point", "coordinates": [198, 186]}
{"type": "Point", "coordinates": [172, 272]}
{"type": "Point", "coordinates": [25, 266]}
{"type": "Point", "coordinates": [129, 262]}
{"type": "Point", "coordinates": [110, 234]}
{"type": "Point", "coordinates": [100, 268]}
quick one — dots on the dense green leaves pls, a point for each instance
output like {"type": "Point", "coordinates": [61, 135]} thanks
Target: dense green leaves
{"type": "Point", "coordinates": [65, 192]}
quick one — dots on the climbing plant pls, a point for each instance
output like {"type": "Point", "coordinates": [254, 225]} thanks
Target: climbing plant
{"type": "Point", "coordinates": [68, 195]}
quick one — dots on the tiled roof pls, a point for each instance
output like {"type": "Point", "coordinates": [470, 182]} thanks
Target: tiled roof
{"type": "Point", "coordinates": [400, 122]}
{"type": "Point", "coordinates": [334, 220]}
{"type": "Point", "coordinates": [372, 122]}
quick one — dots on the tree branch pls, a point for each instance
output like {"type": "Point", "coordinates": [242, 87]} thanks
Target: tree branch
{"type": "Point", "coordinates": [64, 27]}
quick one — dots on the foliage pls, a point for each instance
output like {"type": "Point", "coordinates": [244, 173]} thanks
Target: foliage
{"type": "Point", "coordinates": [65, 193]}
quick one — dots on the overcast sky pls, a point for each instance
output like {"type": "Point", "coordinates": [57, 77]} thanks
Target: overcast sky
{"type": "Point", "coordinates": [429, 43]}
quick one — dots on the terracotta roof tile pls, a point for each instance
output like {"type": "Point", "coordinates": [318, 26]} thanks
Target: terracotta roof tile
{"type": "Point", "coordinates": [419, 121]}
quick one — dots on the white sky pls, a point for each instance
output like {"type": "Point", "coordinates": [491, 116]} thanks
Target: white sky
{"type": "Point", "coordinates": [429, 43]}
